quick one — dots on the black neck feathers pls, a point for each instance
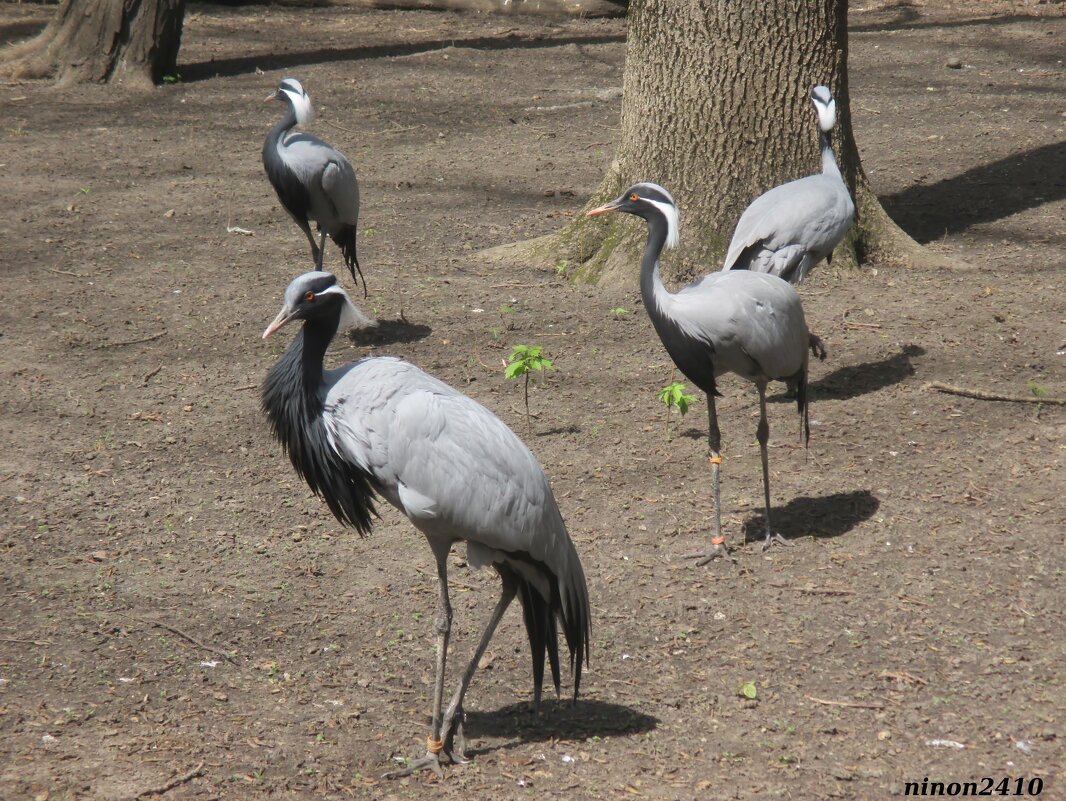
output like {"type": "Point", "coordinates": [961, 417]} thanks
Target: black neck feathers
{"type": "Point", "coordinates": [293, 397]}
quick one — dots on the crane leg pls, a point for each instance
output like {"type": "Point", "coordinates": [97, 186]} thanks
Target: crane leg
{"type": "Point", "coordinates": [435, 745]}
{"type": "Point", "coordinates": [763, 435]}
{"type": "Point", "coordinates": [452, 727]}
{"type": "Point", "coordinates": [714, 440]}
{"type": "Point", "coordinates": [316, 252]}
{"type": "Point", "coordinates": [321, 249]}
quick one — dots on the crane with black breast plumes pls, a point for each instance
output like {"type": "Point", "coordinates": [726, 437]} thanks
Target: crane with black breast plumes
{"type": "Point", "coordinates": [740, 322]}
{"type": "Point", "coordinates": [790, 228]}
{"type": "Point", "coordinates": [315, 182]}
{"type": "Point", "coordinates": [382, 427]}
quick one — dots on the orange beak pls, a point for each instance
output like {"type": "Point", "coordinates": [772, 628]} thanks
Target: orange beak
{"type": "Point", "coordinates": [605, 209]}
{"type": "Point", "coordinates": [284, 317]}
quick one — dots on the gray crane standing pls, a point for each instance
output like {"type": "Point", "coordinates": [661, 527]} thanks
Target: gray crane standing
{"type": "Point", "coordinates": [741, 322]}
{"type": "Point", "coordinates": [382, 427]}
{"type": "Point", "coordinates": [790, 228]}
{"type": "Point", "coordinates": [314, 182]}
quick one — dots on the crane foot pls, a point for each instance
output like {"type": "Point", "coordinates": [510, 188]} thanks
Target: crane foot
{"type": "Point", "coordinates": [430, 761]}
{"type": "Point", "coordinates": [455, 741]}
{"type": "Point", "coordinates": [716, 551]}
{"type": "Point", "coordinates": [772, 538]}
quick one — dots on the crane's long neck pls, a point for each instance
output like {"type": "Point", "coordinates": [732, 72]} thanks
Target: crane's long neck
{"type": "Point", "coordinates": [294, 401]}
{"type": "Point", "coordinates": [292, 392]}
{"type": "Point", "coordinates": [829, 160]}
{"type": "Point", "coordinates": [652, 290]}
{"type": "Point", "coordinates": [285, 124]}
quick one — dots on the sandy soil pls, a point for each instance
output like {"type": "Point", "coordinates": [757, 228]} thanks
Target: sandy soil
{"type": "Point", "coordinates": [181, 619]}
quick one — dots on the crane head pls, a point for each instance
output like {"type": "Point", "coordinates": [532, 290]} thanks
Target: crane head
{"type": "Point", "coordinates": [317, 294]}
{"type": "Point", "coordinates": [826, 106]}
{"type": "Point", "coordinates": [649, 201]}
{"type": "Point", "coordinates": [291, 91]}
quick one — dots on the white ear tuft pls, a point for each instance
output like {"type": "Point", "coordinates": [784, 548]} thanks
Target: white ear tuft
{"type": "Point", "coordinates": [669, 211]}
{"type": "Point", "coordinates": [351, 316]}
{"type": "Point", "coordinates": [301, 104]}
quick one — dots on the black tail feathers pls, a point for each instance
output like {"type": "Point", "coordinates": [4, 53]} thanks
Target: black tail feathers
{"type": "Point", "coordinates": [346, 242]}
{"type": "Point", "coordinates": [569, 605]}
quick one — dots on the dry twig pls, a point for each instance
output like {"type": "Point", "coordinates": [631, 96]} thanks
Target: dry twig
{"type": "Point", "coordinates": [981, 394]}
{"type": "Point", "coordinates": [151, 338]}
{"type": "Point", "coordinates": [182, 634]}
{"type": "Point", "coordinates": [849, 704]}
{"type": "Point", "coordinates": [175, 782]}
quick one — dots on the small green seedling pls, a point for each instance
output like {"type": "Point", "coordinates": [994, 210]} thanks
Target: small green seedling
{"type": "Point", "coordinates": [619, 312]}
{"type": "Point", "coordinates": [749, 690]}
{"type": "Point", "coordinates": [673, 396]}
{"type": "Point", "coordinates": [172, 78]}
{"type": "Point", "coordinates": [526, 359]}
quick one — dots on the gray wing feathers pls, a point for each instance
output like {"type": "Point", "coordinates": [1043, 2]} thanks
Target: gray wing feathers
{"type": "Point", "coordinates": [808, 216]}
{"type": "Point", "coordinates": [747, 317]}
{"type": "Point", "coordinates": [320, 166]}
{"type": "Point", "coordinates": [446, 461]}
{"type": "Point", "coordinates": [340, 186]}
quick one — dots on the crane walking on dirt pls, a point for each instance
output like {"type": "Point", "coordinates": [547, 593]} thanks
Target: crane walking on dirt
{"type": "Point", "coordinates": [314, 182]}
{"type": "Point", "coordinates": [382, 427]}
{"type": "Point", "coordinates": [742, 322]}
{"type": "Point", "coordinates": [790, 228]}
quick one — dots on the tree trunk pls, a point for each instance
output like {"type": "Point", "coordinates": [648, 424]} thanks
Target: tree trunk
{"type": "Point", "coordinates": [105, 41]}
{"type": "Point", "coordinates": [716, 108]}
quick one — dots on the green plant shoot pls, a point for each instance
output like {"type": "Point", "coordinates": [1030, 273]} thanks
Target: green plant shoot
{"type": "Point", "coordinates": [523, 361]}
{"type": "Point", "coordinates": [673, 396]}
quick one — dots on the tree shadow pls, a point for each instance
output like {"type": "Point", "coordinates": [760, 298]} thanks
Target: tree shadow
{"type": "Point", "coordinates": [824, 518]}
{"type": "Point", "coordinates": [861, 379]}
{"type": "Point", "coordinates": [982, 194]}
{"type": "Point", "coordinates": [562, 720]}
{"type": "Point", "coordinates": [16, 31]}
{"type": "Point", "coordinates": [239, 65]}
{"type": "Point", "coordinates": [908, 17]}
{"type": "Point", "coordinates": [389, 332]}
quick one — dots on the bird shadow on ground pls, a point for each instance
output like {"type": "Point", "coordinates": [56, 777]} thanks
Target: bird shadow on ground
{"type": "Point", "coordinates": [557, 720]}
{"type": "Point", "coordinates": [567, 429]}
{"type": "Point", "coordinates": [389, 332]}
{"type": "Point", "coordinates": [861, 379]}
{"type": "Point", "coordinates": [989, 192]}
{"type": "Point", "coordinates": [824, 518]}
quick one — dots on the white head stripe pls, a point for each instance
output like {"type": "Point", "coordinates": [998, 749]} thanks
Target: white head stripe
{"type": "Point", "coordinates": [301, 104]}
{"type": "Point", "coordinates": [669, 211]}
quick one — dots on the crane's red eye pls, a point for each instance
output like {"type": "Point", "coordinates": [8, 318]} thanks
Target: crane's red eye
{"type": "Point", "coordinates": [309, 296]}
{"type": "Point", "coordinates": [634, 197]}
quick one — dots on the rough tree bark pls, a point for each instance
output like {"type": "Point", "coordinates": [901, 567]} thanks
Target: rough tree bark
{"type": "Point", "coordinates": [716, 108]}
{"type": "Point", "coordinates": [129, 41]}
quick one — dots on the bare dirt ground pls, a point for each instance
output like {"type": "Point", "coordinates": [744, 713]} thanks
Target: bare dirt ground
{"type": "Point", "coordinates": [181, 619]}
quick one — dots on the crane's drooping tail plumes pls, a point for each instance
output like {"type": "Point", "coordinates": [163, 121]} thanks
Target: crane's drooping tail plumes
{"type": "Point", "coordinates": [346, 242]}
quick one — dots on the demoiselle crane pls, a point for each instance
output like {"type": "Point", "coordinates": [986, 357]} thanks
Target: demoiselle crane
{"type": "Point", "coordinates": [740, 322]}
{"type": "Point", "coordinates": [790, 228]}
{"type": "Point", "coordinates": [382, 427]}
{"type": "Point", "coordinates": [315, 183]}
